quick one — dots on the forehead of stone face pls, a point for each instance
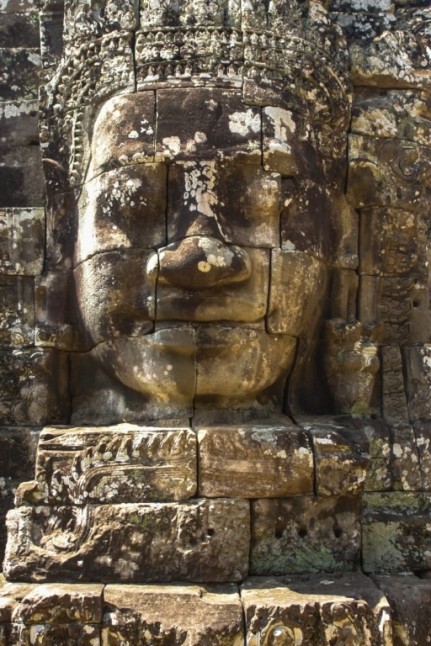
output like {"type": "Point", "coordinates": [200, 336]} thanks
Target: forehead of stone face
{"type": "Point", "coordinates": [124, 131]}
{"type": "Point", "coordinates": [199, 122]}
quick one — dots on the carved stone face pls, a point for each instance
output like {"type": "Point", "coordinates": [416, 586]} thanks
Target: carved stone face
{"type": "Point", "coordinates": [194, 275]}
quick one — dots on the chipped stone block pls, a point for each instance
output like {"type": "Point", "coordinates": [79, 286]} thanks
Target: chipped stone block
{"type": "Point", "coordinates": [393, 114]}
{"type": "Point", "coordinates": [216, 121]}
{"type": "Point", "coordinates": [123, 209]}
{"type": "Point", "coordinates": [396, 532]}
{"type": "Point", "coordinates": [118, 307]}
{"type": "Point", "coordinates": [341, 457]}
{"type": "Point", "coordinates": [20, 81]}
{"type": "Point", "coordinates": [11, 595]}
{"type": "Point", "coordinates": [22, 233]}
{"type": "Point", "coordinates": [34, 387]}
{"type": "Point", "coordinates": [17, 306]}
{"type": "Point", "coordinates": [296, 290]}
{"type": "Point", "coordinates": [245, 300]}
{"type": "Point", "coordinates": [60, 604]}
{"type": "Point", "coordinates": [21, 176]}
{"type": "Point", "coordinates": [18, 123]}
{"type": "Point", "coordinates": [388, 173]}
{"type": "Point", "coordinates": [316, 609]}
{"type": "Point", "coordinates": [405, 466]}
{"type": "Point", "coordinates": [417, 360]}
{"type": "Point", "coordinates": [254, 461]}
{"type": "Point", "coordinates": [400, 304]}
{"type": "Point", "coordinates": [203, 615]}
{"type": "Point", "coordinates": [200, 540]}
{"type": "Point", "coordinates": [209, 197]}
{"type": "Point", "coordinates": [57, 321]}
{"type": "Point", "coordinates": [117, 464]}
{"type": "Point", "coordinates": [409, 599]}
{"type": "Point", "coordinates": [305, 534]}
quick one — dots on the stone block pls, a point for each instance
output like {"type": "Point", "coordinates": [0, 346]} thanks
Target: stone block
{"type": "Point", "coordinates": [405, 465]}
{"type": "Point", "coordinates": [393, 114]}
{"type": "Point", "coordinates": [395, 532]}
{"type": "Point", "coordinates": [34, 387]}
{"type": "Point", "coordinates": [246, 300]}
{"type": "Point", "coordinates": [220, 116]}
{"type": "Point", "coordinates": [201, 540]}
{"type": "Point", "coordinates": [318, 220]}
{"type": "Point", "coordinates": [394, 394]}
{"type": "Point", "coordinates": [60, 604]}
{"type": "Point", "coordinates": [118, 464]}
{"type": "Point", "coordinates": [409, 599]}
{"type": "Point", "coordinates": [254, 461]}
{"type": "Point", "coordinates": [399, 250]}
{"type": "Point", "coordinates": [305, 534]}
{"type": "Point", "coordinates": [423, 446]}
{"type": "Point", "coordinates": [22, 233]}
{"type": "Point", "coordinates": [57, 321]}
{"type": "Point", "coordinates": [400, 304]}
{"type": "Point", "coordinates": [224, 198]}
{"type": "Point", "coordinates": [297, 288]}
{"type": "Point", "coordinates": [316, 610]}
{"type": "Point", "coordinates": [17, 311]}
{"type": "Point", "coordinates": [18, 123]}
{"type": "Point", "coordinates": [19, 30]}
{"type": "Point", "coordinates": [378, 476]}
{"type": "Point", "coordinates": [389, 173]}
{"type": "Point", "coordinates": [172, 614]}
{"type": "Point", "coordinates": [21, 176]}
{"type": "Point", "coordinates": [14, 6]}
{"type": "Point", "coordinates": [118, 307]}
{"type": "Point", "coordinates": [417, 362]}
{"type": "Point", "coordinates": [123, 209]}
{"type": "Point", "coordinates": [18, 452]}
{"type": "Point", "coordinates": [11, 595]}
{"type": "Point", "coordinates": [138, 124]}
{"type": "Point", "coordinates": [341, 457]}
{"type": "Point", "coordinates": [51, 36]}
{"type": "Point", "coordinates": [20, 80]}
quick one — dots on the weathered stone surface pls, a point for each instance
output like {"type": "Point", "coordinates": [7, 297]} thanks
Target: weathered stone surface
{"type": "Point", "coordinates": [331, 610]}
{"type": "Point", "coordinates": [21, 177]}
{"type": "Point", "coordinates": [22, 241]}
{"type": "Point", "coordinates": [60, 604]}
{"type": "Point", "coordinates": [388, 172]}
{"type": "Point", "coordinates": [150, 542]}
{"type": "Point", "coordinates": [402, 114]}
{"type": "Point", "coordinates": [297, 287]}
{"type": "Point", "coordinates": [378, 477]}
{"type": "Point", "coordinates": [114, 309]}
{"type": "Point", "coordinates": [17, 317]}
{"type": "Point", "coordinates": [418, 379]}
{"type": "Point", "coordinates": [34, 387]}
{"type": "Point", "coordinates": [254, 461]}
{"type": "Point", "coordinates": [395, 533]}
{"type": "Point", "coordinates": [18, 452]}
{"type": "Point", "coordinates": [10, 596]}
{"type": "Point", "coordinates": [20, 80]}
{"type": "Point", "coordinates": [53, 634]}
{"type": "Point", "coordinates": [216, 121]}
{"type": "Point", "coordinates": [19, 30]}
{"type": "Point", "coordinates": [123, 209]}
{"type": "Point", "coordinates": [405, 466]}
{"type": "Point", "coordinates": [203, 616]}
{"type": "Point", "coordinates": [408, 597]}
{"type": "Point", "coordinates": [340, 454]}
{"type": "Point", "coordinates": [18, 122]}
{"type": "Point", "coordinates": [57, 323]}
{"type": "Point", "coordinates": [305, 535]}
{"type": "Point", "coordinates": [394, 395]}
{"type": "Point", "coordinates": [423, 438]}
{"type": "Point", "coordinates": [113, 465]}
{"type": "Point", "coordinates": [200, 201]}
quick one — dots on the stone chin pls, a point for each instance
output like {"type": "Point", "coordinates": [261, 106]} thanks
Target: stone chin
{"type": "Point", "coordinates": [193, 365]}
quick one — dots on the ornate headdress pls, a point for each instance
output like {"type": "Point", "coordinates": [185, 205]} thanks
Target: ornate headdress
{"type": "Point", "coordinates": [116, 46]}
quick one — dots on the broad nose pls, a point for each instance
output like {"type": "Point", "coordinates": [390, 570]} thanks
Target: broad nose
{"type": "Point", "coordinates": [200, 262]}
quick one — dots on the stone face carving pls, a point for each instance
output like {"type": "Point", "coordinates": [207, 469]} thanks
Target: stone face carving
{"type": "Point", "coordinates": [229, 335]}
